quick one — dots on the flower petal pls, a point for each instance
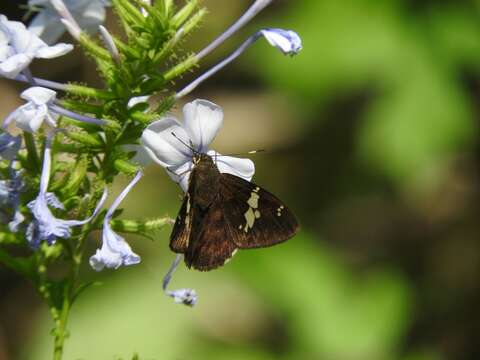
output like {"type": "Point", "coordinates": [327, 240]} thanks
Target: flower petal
{"type": "Point", "coordinates": [141, 156]}
{"type": "Point", "coordinates": [114, 253]}
{"type": "Point", "coordinates": [14, 65]}
{"type": "Point", "coordinates": [29, 117]}
{"type": "Point", "coordinates": [286, 41]}
{"type": "Point", "coordinates": [244, 168]}
{"type": "Point", "coordinates": [47, 26]}
{"type": "Point", "coordinates": [181, 174]}
{"type": "Point", "coordinates": [184, 296]}
{"type": "Point", "coordinates": [202, 120]}
{"type": "Point", "coordinates": [162, 146]}
{"type": "Point", "coordinates": [38, 95]}
{"type": "Point", "coordinates": [50, 52]}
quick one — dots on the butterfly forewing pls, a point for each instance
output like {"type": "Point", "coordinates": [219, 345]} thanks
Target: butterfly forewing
{"type": "Point", "coordinates": [256, 217]}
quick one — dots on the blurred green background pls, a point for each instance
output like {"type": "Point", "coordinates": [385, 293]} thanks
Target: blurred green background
{"type": "Point", "coordinates": [372, 139]}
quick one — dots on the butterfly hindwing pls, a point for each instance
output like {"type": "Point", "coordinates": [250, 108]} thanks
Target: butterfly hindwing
{"type": "Point", "coordinates": [256, 217]}
{"type": "Point", "coordinates": [211, 244]}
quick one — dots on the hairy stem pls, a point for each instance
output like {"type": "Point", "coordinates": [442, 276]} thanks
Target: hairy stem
{"type": "Point", "coordinates": [61, 327]}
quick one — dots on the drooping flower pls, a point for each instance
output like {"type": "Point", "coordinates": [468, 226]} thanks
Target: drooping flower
{"type": "Point", "coordinates": [166, 141]}
{"type": "Point", "coordinates": [18, 47]}
{"type": "Point", "coordinates": [45, 226]}
{"type": "Point", "coordinates": [30, 117]}
{"type": "Point", "coordinates": [115, 251]}
{"type": "Point", "coordinates": [87, 13]}
{"type": "Point", "coordinates": [9, 146]}
{"type": "Point", "coordinates": [287, 41]}
{"type": "Point", "coordinates": [180, 296]}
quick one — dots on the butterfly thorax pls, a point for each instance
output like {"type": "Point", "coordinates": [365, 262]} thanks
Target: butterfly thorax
{"type": "Point", "coordinates": [204, 184]}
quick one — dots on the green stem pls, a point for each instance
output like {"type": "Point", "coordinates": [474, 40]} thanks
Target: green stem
{"type": "Point", "coordinates": [32, 151]}
{"type": "Point", "coordinates": [61, 327]}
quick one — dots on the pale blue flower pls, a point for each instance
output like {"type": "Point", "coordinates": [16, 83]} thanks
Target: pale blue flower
{"type": "Point", "coordinates": [45, 226]}
{"type": "Point", "coordinates": [181, 296]}
{"type": "Point", "coordinates": [18, 47]}
{"type": "Point", "coordinates": [287, 41]}
{"type": "Point", "coordinates": [9, 146]}
{"type": "Point", "coordinates": [89, 14]}
{"type": "Point", "coordinates": [115, 251]}
{"type": "Point", "coordinates": [30, 117]}
{"type": "Point", "coordinates": [166, 141]}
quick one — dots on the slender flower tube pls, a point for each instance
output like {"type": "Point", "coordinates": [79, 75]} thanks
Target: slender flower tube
{"type": "Point", "coordinates": [18, 48]}
{"type": "Point", "coordinates": [166, 142]}
{"type": "Point", "coordinates": [42, 82]}
{"type": "Point", "coordinates": [256, 8]}
{"type": "Point", "coordinates": [181, 296]}
{"type": "Point", "coordinates": [287, 41]}
{"type": "Point", "coordinates": [57, 109]}
{"type": "Point", "coordinates": [45, 226]}
{"type": "Point", "coordinates": [115, 251]}
{"type": "Point", "coordinates": [80, 14]}
{"type": "Point", "coordinates": [109, 43]}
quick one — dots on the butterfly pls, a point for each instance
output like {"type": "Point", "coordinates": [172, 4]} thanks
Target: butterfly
{"type": "Point", "coordinates": [222, 213]}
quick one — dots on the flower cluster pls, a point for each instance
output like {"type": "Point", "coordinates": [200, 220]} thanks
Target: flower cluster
{"type": "Point", "coordinates": [88, 136]}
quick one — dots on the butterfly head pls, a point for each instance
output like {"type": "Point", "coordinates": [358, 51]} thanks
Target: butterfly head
{"type": "Point", "coordinates": [201, 158]}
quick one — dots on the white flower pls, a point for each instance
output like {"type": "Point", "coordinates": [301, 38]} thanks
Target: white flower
{"type": "Point", "coordinates": [115, 251]}
{"type": "Point", "coordinates": [30, 117]}
{"type": "Point", "coordinates": [167, 141]}
{"type": "Point", "coordinates": [287, 41]}
{"type": "Point", "coordinates": [87, 13]}
{"type": "Point", "coordinates": [184, 296]}
{"type": "Point", "coordinates": [18, 47]}
{"type": "Point", "coordinates": [45, 225]}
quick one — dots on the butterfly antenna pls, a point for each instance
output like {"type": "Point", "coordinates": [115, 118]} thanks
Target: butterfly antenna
{"type": "Point", "coordinates": [184, 143]}
{"type": "Point", "coordinates": [247, 153]}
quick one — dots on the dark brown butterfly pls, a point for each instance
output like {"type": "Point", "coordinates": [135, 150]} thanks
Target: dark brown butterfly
{"type": "Point", "coordinates": [222, 213]}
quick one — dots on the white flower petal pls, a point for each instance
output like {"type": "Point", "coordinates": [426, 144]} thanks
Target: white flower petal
{"type": "Point", "coordinates": [47, 25]}
{"type": "Point", "coordinates": [244, 168]}
{"type": "Point", "coordinates": [14, 65]}
{"type": "Point", "coordinates": [162, 146]}
{"type": "Point", "coordinates": [89, 14]}
{"type": "Point", "coordinates": [50, 52]}
{"type": "Point", "coordinates": [29, 117]}
{"type": "Point", "coordinates": [286, 41]}
{"type": "Point", "coordinates": [202, 120]}
{"type": "Point", "coordinates": [141, 156]}
{"type": "Point", "coordinates": [38, 95]}
{"type": "Point", "coordinates": [181, 174]}
{"type": "Point", "coordinates": [114, 253]}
